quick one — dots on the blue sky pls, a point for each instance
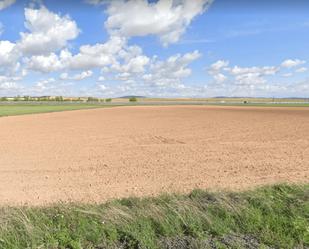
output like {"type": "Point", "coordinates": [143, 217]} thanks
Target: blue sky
{"type": "Point", "coordinates": [165, 48]}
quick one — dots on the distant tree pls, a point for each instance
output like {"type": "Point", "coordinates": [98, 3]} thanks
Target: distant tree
{"type": "Point", "coordinates": [44, 98]}
{"type": "Point", "coordinates": [108, 100]}
{"type": "Point", "coordinates": [133, 99]}
{"type": "Point", "coordinates": [92, 99]}
{"type": "Point", "coordinates": [59, 98]}
{"type": "Point", "coordinates": [4, 99]}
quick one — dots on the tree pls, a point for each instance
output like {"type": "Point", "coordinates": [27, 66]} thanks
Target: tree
{"type": "Point", "coordinates": [133, 99]}
{"type": "Point", "coordinates": [59, 98]}
{"type": "Point", "coordinates": [92, 99]}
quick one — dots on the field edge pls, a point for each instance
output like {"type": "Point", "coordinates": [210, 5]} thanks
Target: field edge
{"type": "Point", "coordinates": [267, 217]}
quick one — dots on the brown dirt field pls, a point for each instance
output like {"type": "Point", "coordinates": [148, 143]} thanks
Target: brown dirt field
{"type": "Point", "coordinates": [95, 155]}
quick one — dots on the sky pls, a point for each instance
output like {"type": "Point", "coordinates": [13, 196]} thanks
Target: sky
{"type": "Point", "coordinates": [164, 48]}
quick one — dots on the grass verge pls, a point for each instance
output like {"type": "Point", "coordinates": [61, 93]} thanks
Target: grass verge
{"type": "Point", "coordinates": [268, 217]}
{"type": "Point", "coordinates": [21, 109]}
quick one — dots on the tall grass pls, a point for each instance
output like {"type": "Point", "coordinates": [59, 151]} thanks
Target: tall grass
{"type": "Point", "coordinates": [269, 217]}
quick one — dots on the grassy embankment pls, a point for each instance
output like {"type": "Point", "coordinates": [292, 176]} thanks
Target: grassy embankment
{"type": "Point", "coordinates": [269, 217]}
{"type": "Point", "coordinates": [20, 109]}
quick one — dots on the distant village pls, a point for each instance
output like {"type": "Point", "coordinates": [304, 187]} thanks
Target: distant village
{"type": "Point", "coordinates": [55, 98]}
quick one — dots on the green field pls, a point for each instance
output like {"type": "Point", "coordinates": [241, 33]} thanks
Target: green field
{"type": "Point", "coordinates": [20, 109]}
{"type": "Point", "coordinates": [269, 217]}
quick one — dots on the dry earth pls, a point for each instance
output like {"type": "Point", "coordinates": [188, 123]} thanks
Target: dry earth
{"type": "Point", "coordinates": [95, 155]}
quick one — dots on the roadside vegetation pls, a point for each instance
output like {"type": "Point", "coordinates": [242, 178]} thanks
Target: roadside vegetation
{"type": "Point", "coordinates": [268, 217]}
{"type": "Point", "coordinates": [20, 109]}
{"type": "Point", "coordinates": [133, 99]}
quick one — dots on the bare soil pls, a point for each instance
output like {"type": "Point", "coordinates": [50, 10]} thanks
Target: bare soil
{"type": "Point", "coordinates": [96, 155]}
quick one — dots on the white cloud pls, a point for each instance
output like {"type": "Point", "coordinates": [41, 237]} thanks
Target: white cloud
{"type": "Point", "coordinates": [292, 63]}
{"type": "Point", "coordinates": [80, 76]}
{"type": "Point", "coordinates": [6, 3]}
{"type": "Point", "coordinates": [8, 56]}
{"type": "Point", "coordinates": [215, 70]}
{"type": "Point", "coordinates": [136, 64]}
{"type": "Point", "coordinates": [131, 61]}
{"type": "Point", "coordinates": [170, 73]}
{"type": "Point", "coordinates": [241, 75]}
{"type": "Point", "coordinates": [250, 79]}
{"type": "Point", "coordinates": [47, 63]}
{"type": "Point", "coordinates": [50, 86]}
{"type": "Point", "coordinates": [220, 78]}
{"type": "Point", "coordinates": [101, 78]}
{"type": "Point", "coordinates": [287, 75]}
{"type": "Point", "coordinates": [267, 70]}
{"type": "Point", "coordinates": [98, 55]}
{"type": "Point", "coordinates": [239, 81]}
{"type": "Point", "coordinates": [113, 55]}
{"type": "Point", "coordinates": [43, 85]}
{"type": "Point", "coordinates": [102, 87]}
{"type": "Point", "coordinates": [49, 32]}
{"type": "Point", "coordinates": [301, 70]}
{"type": "Point", "coordinates": [6, 86]}
{"type": "Point", "coordinates": [167, 19]}
{"type": "Point", "coordinates": [9, 85]}
{"type": "Point", "coordinates": [218, 65]}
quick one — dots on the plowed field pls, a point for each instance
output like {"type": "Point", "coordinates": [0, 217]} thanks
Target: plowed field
{"type": "Point", "coordinates": [95, 155]}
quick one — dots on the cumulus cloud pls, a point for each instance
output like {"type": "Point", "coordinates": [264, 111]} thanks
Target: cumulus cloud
{"type": "Point", "coordinates": [289, 63]}
{"type": "Point", "coordinates": [217, 66]}
{"type": "Point", "coordinates": [237, 80]}
{"type": "Point", "coordinates": [50, 86]}
{"type": "Point", "coordinates": [136, 64]}
{"type": "Point", "coordinates": [114, 56]}
{"type": "Point", "coordinates": [220, 78]}
{"type": "Point", "coordinates": [98, 55]}
{"type": "Point", "coordinates": [44, 85]}
{"type": "Point", "coordinates": [6, 3]}
{"type": "Point", "coordinates": [48, 32]}
{"type": "Point", "coordinates": [8, 56]}
{"type": "Point", "coordinates": [130, 60]}
{"type": "Point", "coordinates": [169, 73]}
{"type": "Point", "coordinates": [267, 70]}
{"type": "Point", "coordinates": [301, 70]}
{"type": "Point", "coordinates": [167, 19]}
{"type": "Point", "coordinates": [48, 63]}
{"type": "Point", "coordinates": [157, 77]}
{"type": "Point", "coordinates": [9, 85]}
{"type": "Point", "coordinates": [80, 76]}
{"type": "Point", "coordinates": [215, 70]}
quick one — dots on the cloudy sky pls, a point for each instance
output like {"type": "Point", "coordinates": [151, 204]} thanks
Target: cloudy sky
{"type": "Point", "coordinates": [164, 48]}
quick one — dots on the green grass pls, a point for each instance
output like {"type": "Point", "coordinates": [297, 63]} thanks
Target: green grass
{"type": "Point", "coordinates": [20, 109]}
{"type": "Point", "coordinates": [275, 217]}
